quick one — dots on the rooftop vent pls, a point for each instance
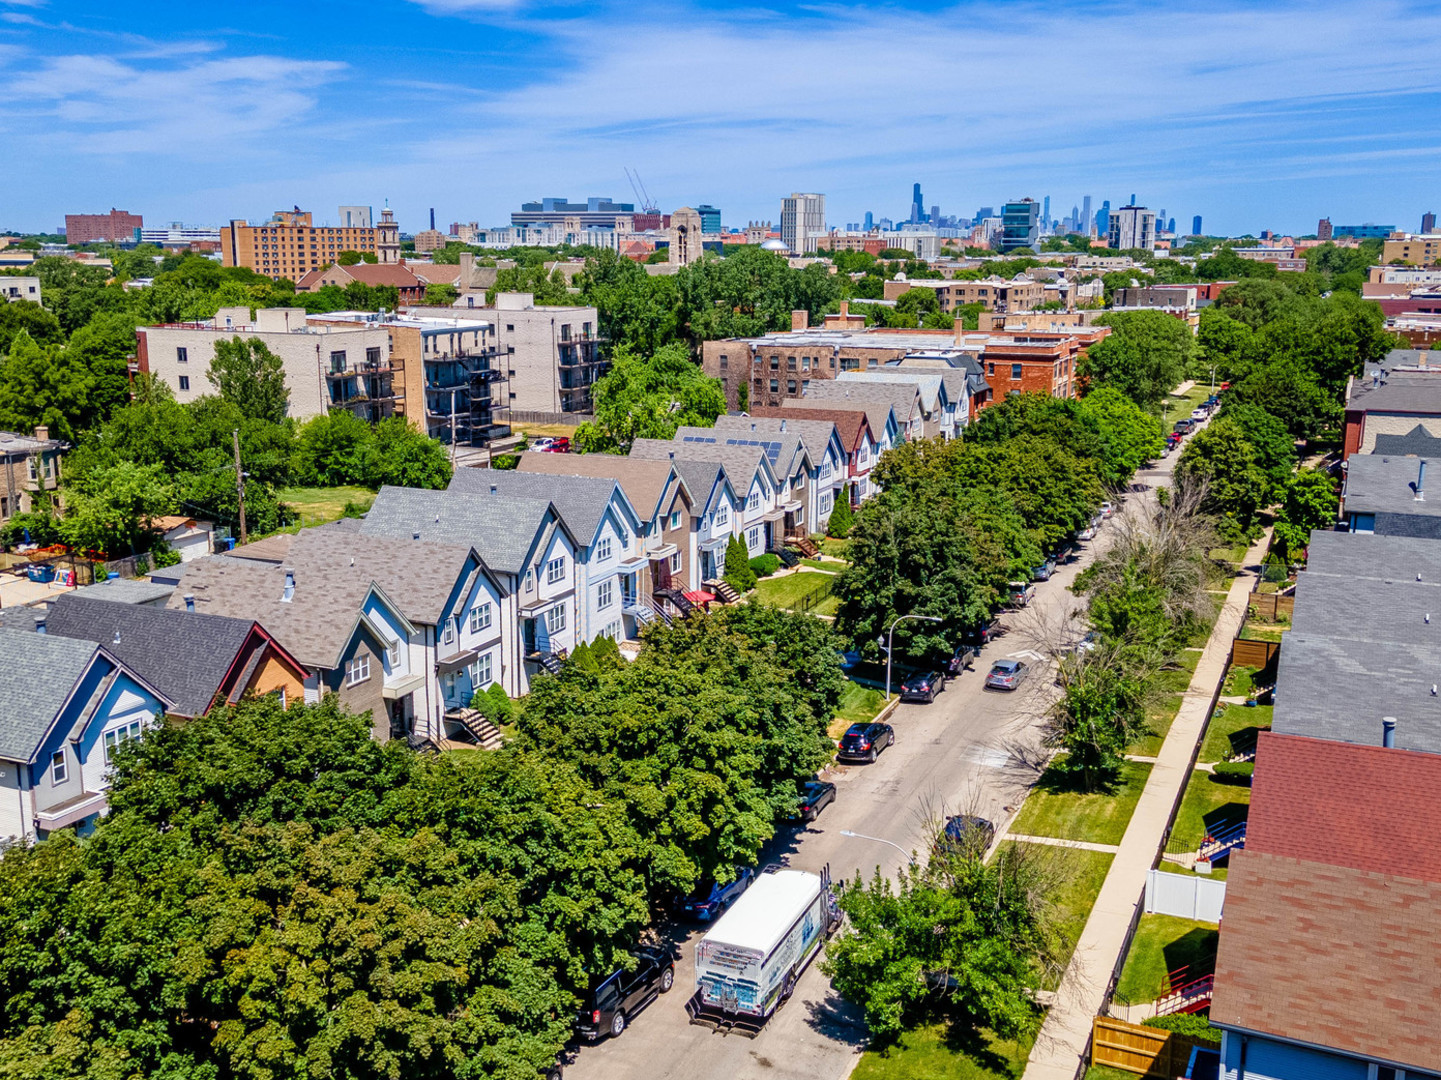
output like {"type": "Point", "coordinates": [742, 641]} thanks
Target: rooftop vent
{"type": "Point", "coordinates": [1388, 729]}
{"type": "Point", "coordinates": [117, 638]}
{"type": "Point", "coordinates": [40, 624]}
{"type": "Point", "coordinates": [190, 602]}
{"type": "Point", "coordinates": [289, 593]}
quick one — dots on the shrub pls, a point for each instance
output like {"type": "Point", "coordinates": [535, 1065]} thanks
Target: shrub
{"type": "Point", "coordinates": [765, 565]}
{"type": "Point", "coordinates": [1234, 772]}
{"type": "Point", "coordinates": [738, 572]}
{"type": "Point", "coordinates": [494, 704]}
{"type": "Point", "coordinates": [842, 518]}
{"type": "Point", "coordinates": [162, 554]}
{"type": "Point", "coordinates": [1188, 1024]}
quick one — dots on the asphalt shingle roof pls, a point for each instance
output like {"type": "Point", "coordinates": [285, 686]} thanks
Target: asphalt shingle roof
{"type": "Point", "coordinates": [644, 482]}
{"type": "Point", "coordinates": [581, 501]}
{"type": "Point", "coordinates": [1375, 558]}
{"type": "Point", "coordinates": [183, 654]}
{"type": "Point", "coordinates": [501, 528]}
{"type": "Point", "coordinates": [815, 435]}
{"type": "Point", "coordinates": [128, 591]}
{"type": "Point", "coordinates": [879, 414]}
{"type": "Point", "coordinates": [1418, 442]}
{"type": "Point", "coordinates": [927, 383]}
{"type": "Point", "coordinates": [850, 423]}
{"type": "Point", "coordinates": [37, 674]}
{"type": "Point", "coordinates": [740, 462]}
{"type": "Point", "coordinates": [782, 449]}
{"type": "Point", "coordinates": [1386, 486]}
{"type": "Point", "coordinates": [904, 400]}
{"type": "Point", "coordinates": [1400, 392]}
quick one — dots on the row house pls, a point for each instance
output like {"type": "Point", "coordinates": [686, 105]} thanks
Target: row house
{"type": "Point", "coordinates": [859, 449]}
{"type": "Point", "coordinates": [609, 552]}
{"type": "Point", "coordinates": [663, 503]}
{"type": "Point", "coordinates": [527, 549]}
{"type": "Point", "coordinates": [765, 498]}
{"type": "Point", "coordinates": [789, 462]}
{"type": "Point", "coordinates": [716, 510]}
{"type": "Point", "coordinates": [941, 415]}
{"type": "Point", "coordinates": [65, 705]}
{"type": "Point", "coordinates": [824, 451]}
{"type": "Point", "coordinates": [907, 422]}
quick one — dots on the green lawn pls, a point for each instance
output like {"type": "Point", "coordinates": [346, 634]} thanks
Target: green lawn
{"type": "Point", "coordinates": [1177, 677]}
{"type": "Point", "coordinates": [1097, 817]}
{"type": "Point", "coordinates": [1209, 803]}
{"type": "Point", "coordinates": [316, 506]}
{"type": "Point", "coordinates": [822, 565]}
{"type": "Point", "coordinates": [1159, 715]}
{"type": "Point", "coordinates": [1234, 729]}
{"type": "Point", "coordinates": [930, 1053]}
{"type": "Point", "coordinates": [1082, 873]}
{"type": "Point", "coordinates": [1162, 944]}
{"type": "Point", "coordinates": [1101, 1072]}
{"type": "Point", "coordinates": [1261, 633]}
{"type": "Point", "coordinates": [788, 591]}
{"type": "Point", "coordinates": [1240, 681]}
{"type": "Point", "coordinates": [858, 703]}
{"type": "Point", "coordinates": [829, 545]}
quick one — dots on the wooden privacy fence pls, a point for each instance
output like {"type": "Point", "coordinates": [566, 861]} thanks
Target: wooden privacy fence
{"type": "Point", "coordinates": [1256, 654]}
{"type": "Point", "coordinates": [1269, 606]}
{"type": "Point", "coordinates": [1141, 1050]}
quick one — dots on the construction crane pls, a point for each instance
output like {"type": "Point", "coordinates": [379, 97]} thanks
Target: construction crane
{"type": "Point", "coordinates": [642, 196]}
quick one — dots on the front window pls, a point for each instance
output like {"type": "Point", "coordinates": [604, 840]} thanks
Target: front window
{"type": "Point", "coordinates": [555, 570]}
{"type": "Point", "coordinates": [58, 769]}
{"type": "Point", "coordinates": [754, 502]}
{"type": "Point", "coordinates": [722, 515]}
{"type": "Point", "coordinates": [604, 595]}
{"type": "Point", "coordinates": [602, 549]}
{"type": "Point", "coordinates": [357, 671]}
{"type": "Point", "coordinates": [753, 537]}
{"type": "Point", "coordinates": [555, 619]}
{"type": "Point", "coordinates": [182, 354]}
{"type": "Point", "coordinates": [675, 562]}
{"type": "Point", "coordinates": [185, 382]}
{"type": "Point", "coordinates": [480, 616]}
{"type": "Point", "coordinates": [675, 519]}
{"type": "Point", "coordinates": [449, 630]}
{"type": "Point", "coordinates": [118, 737]}
{"type": "Point", "coordinates": [480, 672]}
{"type": "Point", "coordinates": [1015, 371]}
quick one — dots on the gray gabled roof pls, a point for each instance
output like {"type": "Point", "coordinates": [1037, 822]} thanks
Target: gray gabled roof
{"type": "Point", "coordinates": [1418, 442]}
{"type": "Point", "coordinates": [880, 415]}
{"type": "Point", "coordinates": [818, 436]}
{"type": "Point", "coordinates": [37, 674]}
{"type": "Point", "coordinates": [581, 501]}
{"type": "Point", "coordinates": [1381, 484]}
{"type": "Point", "coordinates": [128, 591]}
{"type": "Point", "coordinates": [645, 483]}
{"type": "Point", "coordinates": [1402, 392]}
{"type": "Point", "coordinates": [1373, 557]}
{"type": "Point", "coordinates": [785, 451]}
{"type": "Point", "coordinates": [741, 463]}
{"type": "Point", "coordinates": [903, 399]}
{"type": "Point", "coordinates": [927, 383]}
{"type": "Point", "coordinates": [184, 655]}
{"type": "Point", "coordinates": [504, 529]}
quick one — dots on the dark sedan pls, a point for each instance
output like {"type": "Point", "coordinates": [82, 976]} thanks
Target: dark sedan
{"type": "Point", "coordinates": [864, 742]}
{"type": "Point", "coordinates": [711, 898]}
{"type": "Point", "coordinates": [965, 834]}
{"type": "Point", "coordinates": [1006, 675]}
{"type": "Point", "coordinates": [816, 795]}
{"type": "Point", "coordinates": [923, 686]}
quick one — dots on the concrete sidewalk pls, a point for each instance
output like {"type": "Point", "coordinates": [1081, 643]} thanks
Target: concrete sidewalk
{"type": "Point", "coordinates": [1066, 1033]}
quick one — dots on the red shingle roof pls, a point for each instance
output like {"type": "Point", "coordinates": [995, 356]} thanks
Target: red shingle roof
{"type": "Point", "coordinates": [1363, 807]}
{"type": "Point", "coordinates": [1331, 956]}
{"type": "Point", "coordinates": [849, 422]}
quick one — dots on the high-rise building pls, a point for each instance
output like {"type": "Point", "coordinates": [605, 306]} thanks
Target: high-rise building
{"type": "Point", "coordinates": [1046, 212]}
{"type": "Point", "coordinates": [1132, 227]}
{"type": "Point", "coordinates": [870, 222]}
{"type": "Point", "coordinates": [1323, 229]}
{"type": "Point", "coordinates": [1196, 225]}
{"type": "Point", "coordinates": [289, 245]}
{"type": "Point", "coordinates": [1021, 225]}
{"type": "Point", "coordinates": [935, 218]}
{"type": "Point", "coordinates": [358, 217]}
{"type": "Point", "coordinates": [710, 218]}
{"type": "Point", "coordinates": [985, 212]}
{"type": "Point", "coordinates": [1171, 226]}
{"type": "Point", "coordinates": [1428, 222]}
{"type": "Point", "coordinates": [1103, 219]}
{"type": "Point", "coordinates": [1085, 220]}
{"type": "Point", "coordinates": [116, 227]}
{"type": "Point", "coordinates": [803, 220]}
{"type": "Point", "coordinates": [918, 206]}
{"type": "Point", "coordinates": [597, 212]}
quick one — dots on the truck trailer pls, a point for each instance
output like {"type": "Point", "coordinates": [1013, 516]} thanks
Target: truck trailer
{"type": "Point", "coordinates": [748, 964]}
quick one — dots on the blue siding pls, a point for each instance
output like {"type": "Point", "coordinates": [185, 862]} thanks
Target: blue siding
{"type": "Point", "coordinates": [1267, 1060]}
{"type": "Point", "coordinates": [94, 675]}
{"type": "Point", "coordinates": [108, 708]}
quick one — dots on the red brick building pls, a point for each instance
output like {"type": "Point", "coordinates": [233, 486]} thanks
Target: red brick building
{"type": "Point", "coordinates": [116, 227]}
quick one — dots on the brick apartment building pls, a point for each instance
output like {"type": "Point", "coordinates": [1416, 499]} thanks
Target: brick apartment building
{"type": "Point", "coordinates": [116, 227]}
{"type": "Point", "coordinates": [290, 245]}
{"type": "Point", "coordinates": [998, 294]}
{"type": "Point", "coordinates": [778, 366]}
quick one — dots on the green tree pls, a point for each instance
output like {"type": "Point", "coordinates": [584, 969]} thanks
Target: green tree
{"type": "Point", "coordinates": [1275, 448]}
{"type": "Point", "coordinates": [1145, 356]}
{"type": "Point", "coordinates": [42, 327]}
{"type": "Point", "coordinates": [111, 510]}
{"type": "Point", "coordinates": [103, 346]}
{"type": "Point", "coordinates": [1311, 503]}
{"type": "Point", "coordinates": [1100, 712]}
{"type": "Point", "coordinates": [641, 398]}
{"type": "Point", "coordinates": [331, 450]}
{"type": "Point", "coordinates": [42, 385]}
{"type": "Point", "coordinates": [1220, 457]}
{"type": "Point", "coordinates": [402, 455]}
{"type": "Point", "coordinates": [251, 377]}
{"type": "Point", "coordinates": [442, 294]}
{"type": "Point", "coordinates": [738, 572]}
{"type": "Point", "coordinates": [1129, 436]}
{"type": "Point", "coordinates": [842, 518]}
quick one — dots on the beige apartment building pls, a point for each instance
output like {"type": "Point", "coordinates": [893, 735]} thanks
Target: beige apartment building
{"type": "Point", "coordinates": [290, 245]}
{"type": "Point", "coordinates": [327, 365]}
{"type": "Point", "coordinates": [995, 293]}
{"type": "Point", "coordinates": [1419, 249]}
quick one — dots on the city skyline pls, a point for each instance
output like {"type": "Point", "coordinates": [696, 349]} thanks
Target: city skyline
{"type": "Point", "coordinates": [254, 107]}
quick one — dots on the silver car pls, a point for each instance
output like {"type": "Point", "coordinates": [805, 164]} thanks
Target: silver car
{"type": "Point", "coordinates": [1006, 674]}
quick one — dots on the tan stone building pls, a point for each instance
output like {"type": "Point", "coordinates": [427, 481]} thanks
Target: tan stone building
{"type": "Point", "coordinates": [1020, 293]}
{"type": "Point", "coordinates": [685, 237]}
{"type": "Point", "coordinates": [1420, 249]}
{"type": "Point", "coordinates": [290, 245]}
{"type": "Point", "coordinates": [29, 464]}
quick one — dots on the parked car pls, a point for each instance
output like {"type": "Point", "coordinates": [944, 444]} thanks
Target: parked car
{"type": "Point", "coordinates": [965, 833]}
{"type": "Point", "coordinates": [1084, 644]}
{"type": "Point", "coordinates": [964, 657]}
{"type": "Point", "coordinates": [981, 634]}
{"type": "Point", "coordinates": [1006, 674]}
{"type": "Point", "coordinates": [1212, 402]}
{"type": "Point", "coordinates": [923, 686]}
{"type": "Point", "coordinates": [1200, 414]}
{"type": "Point", "coordinates": [1020, 593]}
{"type": "Point", "coordinates": [613, 1000]}
{"type": "Point", "coordinates": [711, 898]}
{"type": "Point", "coordinates": [816, 795]}
{"type": "Point", "coordinates": [1107, 509]}
{"type": "Point", "coordinates": [1184, 426]}
{"type": "Point", "coordinates": [1044, 571]}
{"type": "Point", "coordinates": [1088, 533]}
{"type": "Point", "coordinates": [864, 742]}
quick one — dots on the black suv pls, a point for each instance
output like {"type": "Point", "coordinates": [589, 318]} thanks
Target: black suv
{"type": "Point", "coordinates": [965, 834]}
{"type": "Point", "coordinates": [923, 686]}
{"type": "Point", "coordinates": [864, 742]}
{"type": "Point", "coordinates": [617, 998]}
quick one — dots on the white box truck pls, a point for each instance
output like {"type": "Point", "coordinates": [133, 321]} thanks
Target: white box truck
{"type": "Point", "coordinates": [749, 961]}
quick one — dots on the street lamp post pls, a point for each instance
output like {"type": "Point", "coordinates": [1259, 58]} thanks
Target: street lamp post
{"type": "Point", "coordinates": [890, 641]}
{"type": "Point", "coordinates": [862, 836]}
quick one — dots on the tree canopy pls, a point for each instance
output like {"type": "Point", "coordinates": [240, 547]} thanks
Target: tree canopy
{"type": "Point", "coordinates": [649, 398]}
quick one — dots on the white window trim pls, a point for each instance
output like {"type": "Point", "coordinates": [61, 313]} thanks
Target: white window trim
{"type": "Point", "coordinates": [555, 570]}
{"type": "Point", "coordinates": [357, 670]}
{"type": "Point", "coordinates": [602, 549]}
{"type": "Point", "coordinates": [604, 595]}
{"type": "Point", "coordinates": [59, 768]}
{"type": "Point", "coordinates": [480, 618]}
{"type": "Point", "coordinates": [553, 616]}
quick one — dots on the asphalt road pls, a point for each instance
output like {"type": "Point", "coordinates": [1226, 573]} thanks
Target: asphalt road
{"type": "Point", "coordinates": [971, 751]}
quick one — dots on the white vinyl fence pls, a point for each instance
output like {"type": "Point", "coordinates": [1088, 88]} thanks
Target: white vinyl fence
{"type": "Point", "coordinates": [1187, 896]}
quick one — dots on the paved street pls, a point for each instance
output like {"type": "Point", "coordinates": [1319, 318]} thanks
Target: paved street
{"type": "Point", "coordinates": [972, 751]}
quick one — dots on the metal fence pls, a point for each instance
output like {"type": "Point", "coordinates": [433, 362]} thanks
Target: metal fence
{"type": "Point", "coordinates": [1186, 896]}
{"type": "Point", "coordinates": [821, 592]}
{"type": "Point", "coordinates": [527, 416]}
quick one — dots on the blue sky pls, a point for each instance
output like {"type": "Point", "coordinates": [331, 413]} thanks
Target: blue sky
{"type": "Point", "coordinates": [1256, 115]}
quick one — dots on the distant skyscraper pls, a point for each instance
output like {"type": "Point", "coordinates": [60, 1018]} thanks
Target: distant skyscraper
{"type": "Point", "coordinates": [985, 212]}
{"type": "Point", "coordinates": [1021, 225]}
{"type": "Point", "coordinates": [1171, 226]}
{"type": "Point", "coordinates": [1085, 221]}
{"type": "Point", "coordinates": [1103, 219]}
{"type": "Point", "coordinates": [935, 215]}
{"type": "Point", "coordinates": [432, 219]}
{"type": "Point", "coordinates": [870, 221]}
{"type": "Point", "coordinates": [803, 220]}
{"type": "Point", "coordinates": [1046, 212]}
{"type": "Point", "coordinates": [1196, 225]}
{"type": "Point", "coordinates": [710, 218]}
{"type": "Point", "coordinates": [1428, 223]}
{"type": "Point", "coordinates": [918, 205]}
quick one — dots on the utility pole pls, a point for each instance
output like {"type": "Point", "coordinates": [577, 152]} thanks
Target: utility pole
{"type": "Point", "coordinates": [240, 486]}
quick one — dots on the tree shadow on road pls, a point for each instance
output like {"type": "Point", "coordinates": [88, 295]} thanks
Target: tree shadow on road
{"type": "Point", "coordinates": [838, 1020]}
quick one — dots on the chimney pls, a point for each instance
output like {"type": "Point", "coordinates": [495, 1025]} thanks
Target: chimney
{"type": "Point", "coordinates": [42, 432]}
{"type": "Point", "coordinates": [845, 309]}
{"type": "Point", "coordinates": [1388, 731]}
{"type": "Point", "coordinates": [190, 602]}
{"type": "Point", "coordinates": [289, 593]}
{"type": "Point", "coordinates": [960, 331]}
{"type": "Point", "coordinates": [40, 624]}
{"type": "Point", "coordinates": [800, 320]}
{"type": "Point", "coordinates": [1421, 481]}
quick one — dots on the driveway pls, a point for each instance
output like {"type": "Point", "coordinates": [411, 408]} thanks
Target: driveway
{"type": "Point", "coordinates": [972, 751]}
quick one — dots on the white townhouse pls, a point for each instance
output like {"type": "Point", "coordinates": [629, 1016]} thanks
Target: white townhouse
{"type": "Point", "coordinates": [764, 497]}
{"type": "Point", "coordinates": [825, 456]}
{"type": "Point", "coordinates": [528, 550]}
{"type": "Point", "coordinates": [790, 465]}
